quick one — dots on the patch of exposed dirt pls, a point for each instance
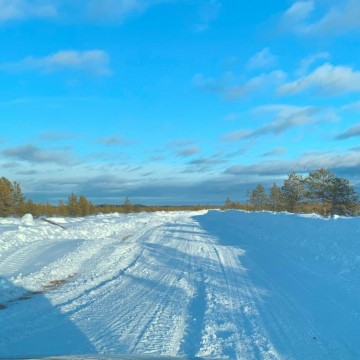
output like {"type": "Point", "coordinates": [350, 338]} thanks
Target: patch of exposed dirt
{"type": "Point", "coordinates": [52, 285]}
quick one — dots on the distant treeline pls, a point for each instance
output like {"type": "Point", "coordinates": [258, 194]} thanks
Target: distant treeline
{"type": "Point", "coordinates": [13, 203]}
{"type": "Point", "coordinates": [320, 192]}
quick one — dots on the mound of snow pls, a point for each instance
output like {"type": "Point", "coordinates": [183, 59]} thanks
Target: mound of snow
{"type": "Point", "coordinates": [27, 219]}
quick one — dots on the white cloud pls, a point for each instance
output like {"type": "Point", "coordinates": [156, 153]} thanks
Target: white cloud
{"type": "Point", "coordinates": [114, 9]}
{"type": "Point", "coordinates": [236, 135]}
{"type": "Point", "coordinates": [188, 151]}
{"type": "Point", "coordinates": [354, 107]}
{"type": "Point", "coordinates": [338, 19]}
{"type": "Point", "coordinates": [326, 79]}
{"type": "Point", "coordinates": [299, 10]}
{"type": "Point", "coordinates": [274, 152]}
{"type": "Point", "coordinates": [95, 62]}
{"type": "Point", "coordinates": [285, 117]}
{"type": "Point", "coordinates": [345, 162]}
{"type": "Point", "coordinates": [22, 9]}
{"type": "Point", "coordinates": [224, 87]}
{"type": "Point", "coordinates": [307, 62]}
{"type": "Point", "coordinates": [293, 18]}
{"type": "Point", "coordinates": [115, 140]}
{"type": "Point", "coordinates": [92, 10]}
{"type": "Point", "coordinates": [262, 59]}
{"type": "Point", "coordinates": [33, 154]}
{"type": "Point", "coordinates": [354, 131]}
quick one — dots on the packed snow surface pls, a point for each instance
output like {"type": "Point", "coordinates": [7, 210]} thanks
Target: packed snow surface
{"type": "Point", "coordinates": [229, 285]}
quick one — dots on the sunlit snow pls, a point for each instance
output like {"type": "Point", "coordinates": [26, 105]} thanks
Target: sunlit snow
{"type": "Point", "coordinates": [230, 285]}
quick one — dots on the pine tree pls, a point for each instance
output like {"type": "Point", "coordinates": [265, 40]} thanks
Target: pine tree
{"type": "Point", "coordinates": [258, 198]}
{"type": "Point", "coordinates": [342, 197]}
{"type": "Point", "coordinates": [275, 198]}
{"type": "Point", "coordinates": [336, 195]}
{"type": "Point", "coordinates": [18, 200]}
{"type": "Point", "coordinates": [73, 205]}
{"type": "Point", "coordinates": [228, 203]}
{"type": "Point", "coordinates": [293, 191]}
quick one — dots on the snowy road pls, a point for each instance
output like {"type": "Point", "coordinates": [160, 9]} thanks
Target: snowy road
{"type": "Point", "coordinates": [227, 285]}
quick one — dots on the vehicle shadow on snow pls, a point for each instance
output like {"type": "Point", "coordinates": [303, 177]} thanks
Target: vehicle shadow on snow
{"type": "Point", "coordinates": [31, 326]}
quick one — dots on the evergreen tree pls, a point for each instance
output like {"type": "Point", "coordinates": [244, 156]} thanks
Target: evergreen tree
{"type": "Point", "coordinates": [343, 197]}
{"type": "Point", "coordinates": [336, 195]}
{"type": "Point", "coordinates": [18, 200]}
{"type": "Point", "coordinates": [275, 198]}
{"type": "Point", "coordinates": [228, 203]}
{"type": "Point", "coordinates": [293, 191]}
{"type": "Point", "coordinates": [258, 197]}
{"type": "Point", "coordinates": [73, 205]}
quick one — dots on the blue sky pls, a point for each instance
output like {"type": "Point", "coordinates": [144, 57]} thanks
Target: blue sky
{"type": "Point", "coordinates": [176, 101]}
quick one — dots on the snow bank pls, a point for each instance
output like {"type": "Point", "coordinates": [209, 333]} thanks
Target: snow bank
{"type": "Point", "coordinates": [309, 238]}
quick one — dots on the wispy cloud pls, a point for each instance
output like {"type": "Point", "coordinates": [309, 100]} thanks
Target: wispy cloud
{"type": "Point", "coordinates": [262, 59]}
{"type": "Point", "coordinates": [114, 141]}
{"type": "Point", "coordinates": [95, 62]}
{"type": "Point", "coordinates": [274, 152]}
{"type": "Point", "coordinates": [105, 11]}
{"type": "Point", "coordinates": [236, 135]}
{"type": "Point", "coordinates": [297, 12]}
{"type": "Point", "coordinates": [355, 106]}
{"type": "Point", "coordinates": [207, 161]}
{"type": "Point", "coordinates": [36, 155]}
{"type": "Point", "coordinates": [110, 10]}
{"type": "Point", "coordinates": [338, 19]}
{"type": "Point", "coordinates": [225, 87]}
{"type": "Point", "coordinates": [345, 162]}
{"type": "Point", "coordinates": [182, 147]}
{"type": "Point", "coordinates": [307, 62]}
{"type": "Point", "coordinates": [53, 136]}
{"type": "Point", "coordinates": [23, 9]}
{"type": "Point", "coordinates": [326, 79]}
{"type": "Point", "coordinates": [205, 164]}
{"type": "Point", "coordinates": [286, 117]}
{"type": "Point", "coordinates": [179, 143]}
{"type": "Point", "coordinates": [354, 131]}
{"type": "Point", "coordinates": [188, 151]}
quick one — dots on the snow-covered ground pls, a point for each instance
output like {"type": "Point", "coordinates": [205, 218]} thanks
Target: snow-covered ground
{"type": "Point", "coordinates": [232, 285]}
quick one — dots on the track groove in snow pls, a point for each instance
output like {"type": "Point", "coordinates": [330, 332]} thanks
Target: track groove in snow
{"type": "Point", "coordinates": [229, 285]}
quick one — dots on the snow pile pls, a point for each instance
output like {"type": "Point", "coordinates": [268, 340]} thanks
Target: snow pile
{"type": "Point", "coordinates": [27, 219]}
{"type": "Point", "coordinates": [230, 285]}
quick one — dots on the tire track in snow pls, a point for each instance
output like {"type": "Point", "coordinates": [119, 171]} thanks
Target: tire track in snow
{"type": "Point", "coordinates": [231, 327]}
{"type": "Point", "coordinates": [102, 284]}
{"type": "Point", "coordinates": [145, 307]}
{"type": "Point", "coordinates": [196, 315]}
